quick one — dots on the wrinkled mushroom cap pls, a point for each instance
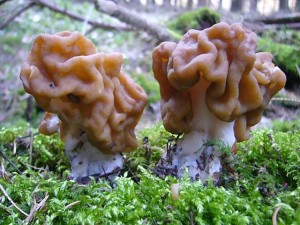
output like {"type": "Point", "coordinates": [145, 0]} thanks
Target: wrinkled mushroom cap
{"type": "Point", "coordinates": [86, 89]}
{"type": "Point", "coordinates": [240, 82]}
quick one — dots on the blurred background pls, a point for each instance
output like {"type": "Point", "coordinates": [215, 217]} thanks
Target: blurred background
{"type": "Point", "coordinates": [134, 28]}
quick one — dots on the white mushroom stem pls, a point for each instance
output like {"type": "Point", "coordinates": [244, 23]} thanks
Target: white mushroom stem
{"type": "Point", "coordinates": [86, 160]}
{"type": "Point", "coordinates": [192, 152]}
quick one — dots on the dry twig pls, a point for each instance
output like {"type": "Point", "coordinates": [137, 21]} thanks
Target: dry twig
{"type": "Point", "coordinates": [36, 207]}
{"type": "Point", "coordinates": [12, 202]}
{"type": "Point", "coordinates": [30, 147]}
{"type": "Point", "coordinates": [6, 158]}
{"type": "Point", "coordinates": [15, 14]}
{"type": "Point", "coordinates": [46, 4]}
{"type": "Point", "coordinates": [74, 16]}
{"type": "Point", "coordinates": [71, 204]}
{"type": "Point", "coordinates": [15, 147]}
{"type": "Point", "coordinates": [3, 172]}
{"type": "Point", "coordinates": [274, 217]}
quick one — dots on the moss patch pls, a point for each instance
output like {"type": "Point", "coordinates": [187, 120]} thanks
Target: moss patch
{"type": "Point", "coordinates": [198, 19]}
{"type": "Point", "coordinates": [286, 57]}
{"type": "Point", "coordinates": [266, 177]}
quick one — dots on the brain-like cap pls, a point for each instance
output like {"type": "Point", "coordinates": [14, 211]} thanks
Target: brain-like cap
{"type": "Point", "coordinates": [238, 83]}
{"type": "Point", "coordinates": [86, 89]}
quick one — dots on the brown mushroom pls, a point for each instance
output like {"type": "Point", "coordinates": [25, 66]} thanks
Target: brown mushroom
{"type": "Point", "coordinates": [213, 87]}
{"type": "Point", "coordinates": [97, 104]}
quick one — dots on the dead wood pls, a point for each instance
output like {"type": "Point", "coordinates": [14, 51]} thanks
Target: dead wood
{"type": "Point", "coordinates": [118, 11]}
{"type": "Point", "coordinates": [57, 9]}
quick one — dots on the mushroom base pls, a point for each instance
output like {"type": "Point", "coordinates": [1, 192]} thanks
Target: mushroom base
{"type": "Point", "coordinates": [86, 160]}
{"type": "Point", "coordinates": [202, 160]}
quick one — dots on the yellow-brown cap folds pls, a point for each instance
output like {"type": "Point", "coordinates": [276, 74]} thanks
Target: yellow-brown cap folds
{"type": "Point", "coordinates": [237, 82]}
{"type": "Point", "coordinates": [86, 89]}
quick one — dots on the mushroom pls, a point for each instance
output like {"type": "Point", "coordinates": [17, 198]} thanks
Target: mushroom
{"type": "Point", "coordinates": [213, 87]}
{"type": "Point", "coordinates": [89, 100]}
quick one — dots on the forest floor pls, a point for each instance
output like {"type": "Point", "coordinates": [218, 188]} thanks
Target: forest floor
{"type": "Point", "coordinates": [263, 187]}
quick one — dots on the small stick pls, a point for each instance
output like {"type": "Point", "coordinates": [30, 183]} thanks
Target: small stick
{"type": "Point", "coordinates": [15, 147]}
{"type": "Point", "coordinates": [2, 167]}
{"type": "Point", "coordinates": [274, 217]}
{"type": "Point", "coordinates": [71, 204]}
{"type": "Point", "coordinates": [36, 206]}
{"type": "Point", "coordinates": [5, 157]}
{"type": "Point", "coordinates": [3, 173]}
{"type": "Point", "coordinates": [271, 138]}
{"type": "Point", "coordinates": [12, 202]}
{"type": "Point", "coordinates": [27, 136]}
{"type": "Point", "coordinates": [39, 169]}
{"type": "Point", "coordinates": [192, 217]}
{"type": "Point", "coordinates": [30, 147]}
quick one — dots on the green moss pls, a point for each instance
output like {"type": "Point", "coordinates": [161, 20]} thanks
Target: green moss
{"type": "Point", "coordinates": [285, 56]}
{"type": "Point", "coordinates": [286, 126]}
{"type": "Point", "coordinates": [150, 86]}
{"type": "Point", "coordinates": [198, 19]}
{"type": "Point", "coordinates": [267, 177]}
{"type": "Point", "coordinates": [271, 159]}
{"type": "Point", "coordinates": [152, 144]}
{"type": "Point", "coordinates": [46, 151]}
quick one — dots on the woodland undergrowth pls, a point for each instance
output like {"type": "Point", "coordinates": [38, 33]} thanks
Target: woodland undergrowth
{"type": "Point", "coordinates": [260, 185]}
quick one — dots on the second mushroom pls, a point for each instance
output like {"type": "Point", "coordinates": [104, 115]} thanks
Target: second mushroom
{"type": "Point", "coordinates": [213, 87]}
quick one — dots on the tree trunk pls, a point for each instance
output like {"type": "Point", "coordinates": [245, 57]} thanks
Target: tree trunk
{"type": "Point", "coordinates": [190, 4]}
{"type": "Point", "coordinates": [236, 5]}
{"type": "Point", "coordinates": [284, 6]}
{"type": "Point", "coordinates": [297, 9]}
{"type": "Point", "coordinates": [220, 4]}
{"type": "Point", "coordinates": [167, 3]}
{"type": "Point", "coordinates": [150, 3]}
{"type": "Point", "coordinates": [179, 4]}
{"type": "Point", "coordinates": [253, 5]}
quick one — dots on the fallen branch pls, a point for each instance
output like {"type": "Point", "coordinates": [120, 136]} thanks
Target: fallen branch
{"type": "Point", "coordinates": [294, 101]}
{"type": "Point", "coordinates": [12, 202]}
{"type": "Point", "coordinates": [3, 1]}
{"type": "Point", "coordinates": [261, 27]}
{"type": "Point", "coordinates": [113, 9]}
{"type": "Point", "coordinates": [284, 19]}
{"type": "Point", "coordinates": [93, 23]}
{"type": "Point", "coordinates": [42, 3]}
{"type": "Point", "coordinates": [15, 14]}
{"type": "Point", "coordinates": [273, 22]}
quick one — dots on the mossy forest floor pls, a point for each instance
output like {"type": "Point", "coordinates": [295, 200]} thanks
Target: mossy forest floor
{"type": "Point", "coordinates": [260, 185]}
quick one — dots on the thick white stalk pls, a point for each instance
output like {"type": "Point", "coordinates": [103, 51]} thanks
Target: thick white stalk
{"type": "Point", "coordinates": [86, 160]}
{"type": "Point", "coordinates": [193, 151]}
